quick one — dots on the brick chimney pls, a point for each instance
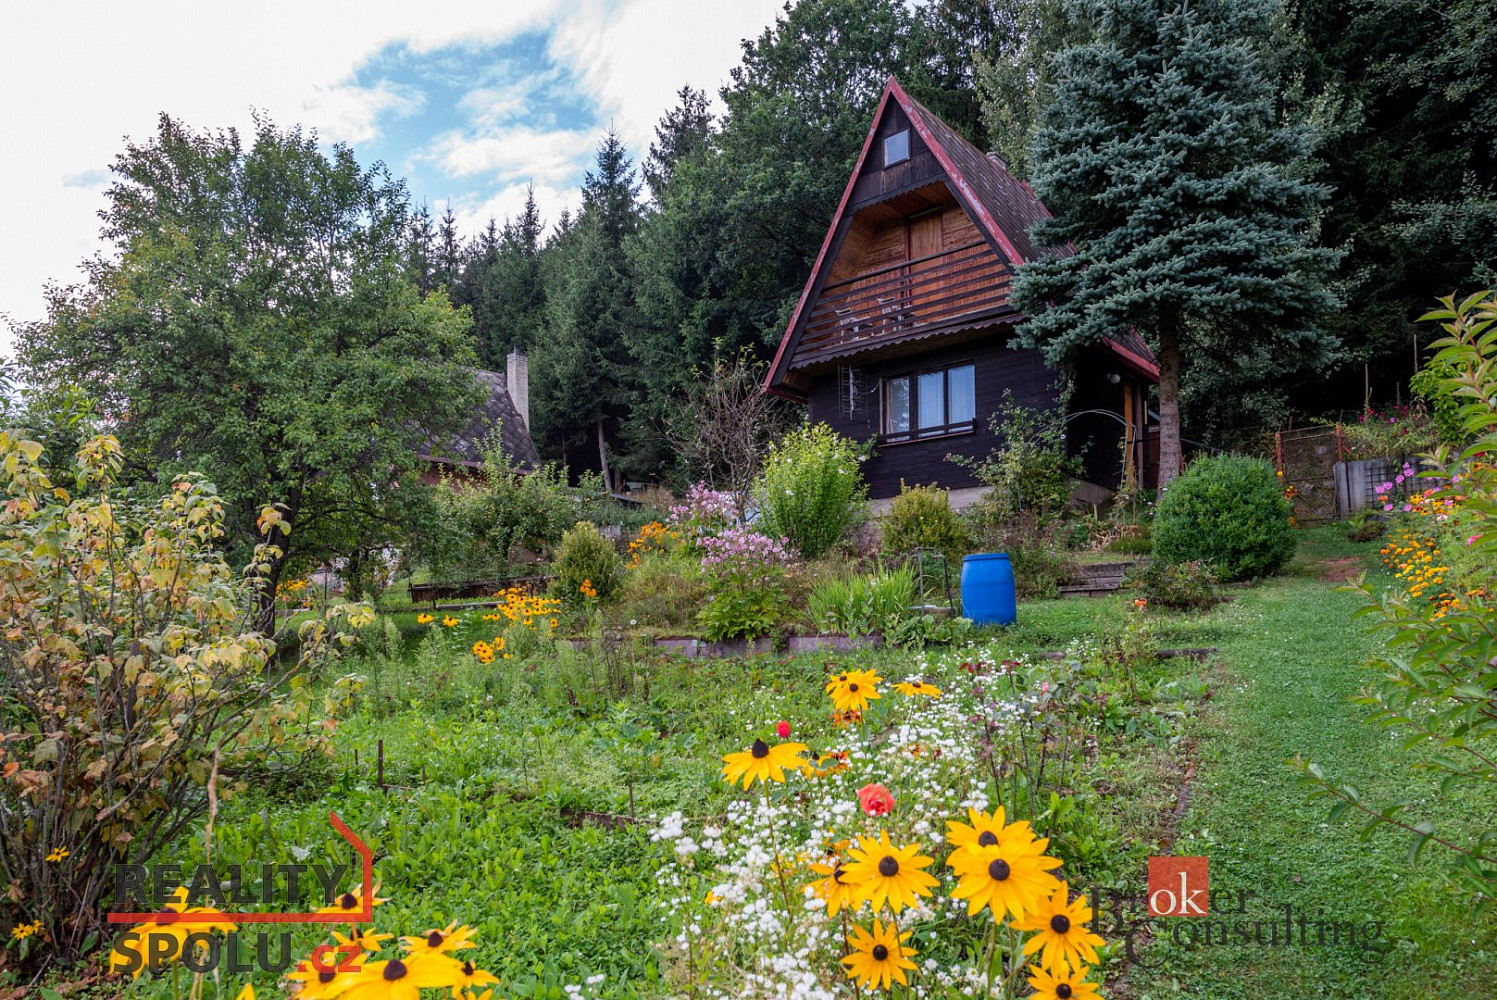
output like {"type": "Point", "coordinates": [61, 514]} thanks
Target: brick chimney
{"type": "Point", "coordinates": [517, 381]}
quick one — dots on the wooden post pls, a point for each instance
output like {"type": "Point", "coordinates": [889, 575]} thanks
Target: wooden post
{"type": "Point", "coordinates": [603, 457]}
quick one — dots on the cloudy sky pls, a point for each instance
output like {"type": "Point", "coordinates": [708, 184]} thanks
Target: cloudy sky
{"type": "Point", "coordinates": [469, 101]}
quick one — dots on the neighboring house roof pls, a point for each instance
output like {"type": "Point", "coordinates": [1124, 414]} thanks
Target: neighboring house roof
{"type": "Point", "coordinates": [497, 410]}
{"type": "Point", "coordinates": [1002, 206]}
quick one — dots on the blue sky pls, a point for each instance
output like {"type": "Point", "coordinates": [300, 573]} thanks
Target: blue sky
{"type": "Point", "coordinates": [470, 125]}
{"type": "Point", "coordinates": [469, 100]}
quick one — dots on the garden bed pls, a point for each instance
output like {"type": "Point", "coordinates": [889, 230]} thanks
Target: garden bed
{"type": "Point", "coordinates": [693, 647]}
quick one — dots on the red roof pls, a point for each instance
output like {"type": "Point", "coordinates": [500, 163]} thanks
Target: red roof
{"type": "Point", "coordinates": [1003, 207]}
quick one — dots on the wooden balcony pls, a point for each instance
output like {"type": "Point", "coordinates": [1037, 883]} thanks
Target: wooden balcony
{"type": "Point", "coordinates": [905, 300]}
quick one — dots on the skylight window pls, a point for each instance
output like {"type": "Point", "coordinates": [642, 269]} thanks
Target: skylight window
{"type": "Point", "coordinates": [897, 148]}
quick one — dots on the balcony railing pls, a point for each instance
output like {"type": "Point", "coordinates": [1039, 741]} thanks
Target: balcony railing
{"type": "Point", "coordinates": [941, 289]}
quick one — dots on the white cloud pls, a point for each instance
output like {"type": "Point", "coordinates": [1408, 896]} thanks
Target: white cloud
{"type": "Point", "coordinates": [547, 157]}
{"type": "Point", "coordinates": [473, 211]}
{"type": "Point", "coordinates": [79, 81]}
{"type": "Point", "coordinates": [349, 114]}
{"type": "Point", "coordinates": [635, 57]}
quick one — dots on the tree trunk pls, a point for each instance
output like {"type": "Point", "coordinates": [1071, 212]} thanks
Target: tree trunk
{"type": "Point", "coordinates": [265, 609]}
{"type": "Point", "coordinates": [1169, 399]}
{"type": "Point", "coordinates": [353, 575]}
{"type": "Point", "coordinates": [603, 457]}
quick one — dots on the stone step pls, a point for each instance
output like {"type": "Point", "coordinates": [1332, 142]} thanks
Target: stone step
{"type": "Point", "coordinates": [1086, 590]}
{"type": "Point", "coordinates": [1117, 569]}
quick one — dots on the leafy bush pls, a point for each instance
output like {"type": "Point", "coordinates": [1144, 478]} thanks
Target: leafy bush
{"type": "Point", "coordinates": [1030, 472]}
{"type": "Point", "coordinates": [747, 572]}
{"type": "Point", "coordinates": [811, 491]}
{"type": "Point", "coordinates": [741, 614]}
{"type": "Point", "coordinates": [1040, 563]}
{"type": "Point", "coordinates": [919, 631]}
{"type": "Point", "coordinates": [664, 590]}
{"type": "Point", "coordinates": [1395, 433]}
{"type": "Point", "coordinates": [859, 605]}
{"type": "Point", "coordinates": [1229, 511]}
{"type": "Point", "coordinates": [1364, 526]}
{"type": "Point", "coordinates": [921, 518]}
{"type": "Point", "coordinates": [1187, 586]}
{"type": "Point", "coordinates": [1433, 685]}
{"type": "Point", "coordinates": [1136, 542]}
{"type": "Point", "coordinates": [1434, 384]}
{"type": "Point", "coordinates": [481, 522]}
{"type": "Point", "coordinates": [130, 679]}
{"type": "Point", "coordinates": [585, 560]}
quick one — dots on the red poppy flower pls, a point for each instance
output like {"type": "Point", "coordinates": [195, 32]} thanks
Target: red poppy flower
{"type": "Point", "coordinates": [783, 729]}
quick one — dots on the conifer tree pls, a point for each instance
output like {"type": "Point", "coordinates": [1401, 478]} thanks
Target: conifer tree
{"type": "Point", "coordinates": [1188, 206]}
{"type": "Point", "coordinates": [447, 263]}
{"type": "Point", "coordinates": [684, 131]}
{"type": "Point", "coordinates": [582, 369]}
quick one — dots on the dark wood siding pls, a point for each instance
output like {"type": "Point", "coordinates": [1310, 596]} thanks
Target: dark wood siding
{"type": "Point", "coordinates": [997, 367]}
{"type": "Point", "coordinates": [878, 181]}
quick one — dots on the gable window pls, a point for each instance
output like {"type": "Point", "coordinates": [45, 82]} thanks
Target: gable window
{"type": "Point", "coordinates": [897, 148]}
{"type": "Point", "coordinates": [929, 404]}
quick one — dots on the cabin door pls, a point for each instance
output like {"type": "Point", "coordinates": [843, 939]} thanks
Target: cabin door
{"type": "Point", "coordinates": [923, 282]}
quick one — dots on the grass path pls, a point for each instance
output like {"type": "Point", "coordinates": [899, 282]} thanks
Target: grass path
{"type": "Point", "coordinates": [1292, 661]}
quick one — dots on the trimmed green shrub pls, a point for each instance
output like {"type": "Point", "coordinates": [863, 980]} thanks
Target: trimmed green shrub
{"type": "Point", "coordinates": [1228, 511]}
{"type": "Point", "coordinates": [586, 557]}
{"type": "Point", "coordinates": [921, 518]}
{"type": "Point", "coordinates": [811, 491]}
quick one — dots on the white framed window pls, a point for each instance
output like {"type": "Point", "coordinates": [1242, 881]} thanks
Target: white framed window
{"type": "Point", "coordinates": [930, 403]}
{"type": "Point", "coordinates": [897, 148]}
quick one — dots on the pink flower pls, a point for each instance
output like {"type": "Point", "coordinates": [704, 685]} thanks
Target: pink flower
{"type": "Point", "coordinates": [783, 729]}
{"type": "Point", "coordinates": [875, 800]}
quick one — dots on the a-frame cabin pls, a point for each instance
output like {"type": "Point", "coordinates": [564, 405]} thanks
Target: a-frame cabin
{"type": "Point", "coordinates": [904, 329]}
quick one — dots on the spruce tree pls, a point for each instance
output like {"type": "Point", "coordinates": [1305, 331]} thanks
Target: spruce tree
{"type": "Point", "coordinates": [517, 281]}
{"type": "Point", "coordinates": [583, 374]}
{"type": "Point", "coordinates": [683, 132]}
{"type": "Point", "coordinates": [447, 263]}
{"type": "Point", "coordinates": [1188, 206]}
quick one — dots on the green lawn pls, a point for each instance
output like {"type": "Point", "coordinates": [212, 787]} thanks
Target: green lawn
{"type": "Point", "coordinates": [1291, 660]}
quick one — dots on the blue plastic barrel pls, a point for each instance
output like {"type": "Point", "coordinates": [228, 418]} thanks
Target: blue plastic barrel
{"type": "Point", "coordinates": [988, 589]}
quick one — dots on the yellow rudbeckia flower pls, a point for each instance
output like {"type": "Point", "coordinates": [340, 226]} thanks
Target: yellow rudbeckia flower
{"type": "Point", "coordinates": [1060, 930]}
{"type": "Point", "coordinates": [762, 762]}
{"type": "Point", "coordinates": [880, 958]}
{"type": "Point", "coordinates": [884, 872]}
